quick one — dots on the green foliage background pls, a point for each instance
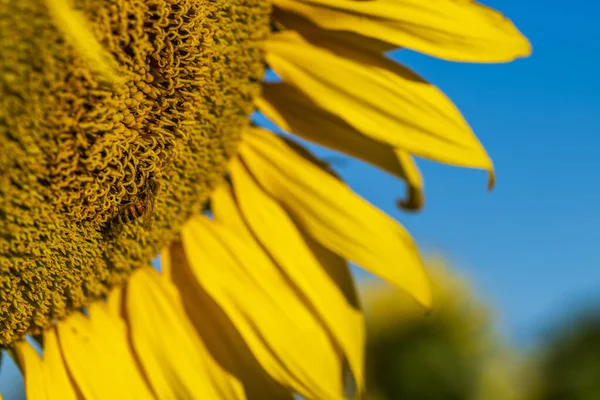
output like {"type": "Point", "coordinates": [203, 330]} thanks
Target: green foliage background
{"type": "Point", "coordinates": [569, 362]}
{"type": "Point", "coordinates": [455, 354]}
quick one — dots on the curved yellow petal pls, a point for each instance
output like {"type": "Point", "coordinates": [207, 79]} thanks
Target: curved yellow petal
{"type": "Point", "coordinates": [295, 113]}
{"type": "Point", "coordinates": [284, 335]}
{"type": "Point", "coordinates": [415, 198]}
{"type": "Point", "coordinates": [457, 30]}
{"type": "Point", "coordinates": [47, 378]}
{"type": "Point", "coordinates": [323, 279]}
{"type": "Point", "coordinates": [74, 27]}
{"type": "Point", "coordinates": [96, 351]}
{"type": "Point", "coordinates": [32, 368]}
{"type": "Point", "coordinates": [217, 331]}
{"type": "Point", "coordinates": [115, 306]}
{"type": "Point", "coordinates": [296, 22]}
{"type": "Point", "coordinates": [111, 336]}
{"type": "Point", "coordinates": [175, 360]}
{"type": "Point", "coordinates": [336, 217]}
{"type": "Point", "coordinates": [98, 359]}
{"type": "Point", "coordinates": [385, 101]}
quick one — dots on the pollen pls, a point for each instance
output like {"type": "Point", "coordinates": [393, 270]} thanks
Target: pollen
{"type": "Point", "coordinates": [77, 146]}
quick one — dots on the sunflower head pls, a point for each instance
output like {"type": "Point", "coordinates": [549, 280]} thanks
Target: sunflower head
{"type": "Point", "coordinates": [88, 137]}
{"type": "Point", "coordinates": [125, 130]}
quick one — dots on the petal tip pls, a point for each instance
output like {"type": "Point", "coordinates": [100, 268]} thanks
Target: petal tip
{"type": "Point", "coordinates": [491, 179]}
{"type": "Point", "coordinates": [425, 298]}
{"type": "Point", "coordinates": [528, 48]}
{"type": "Point", "coordinates": [414, 201]}
{"type": "Point", "coordinates": [524, 47]}
{"type": "Point", "coordinates": [422, 292]}
{"type": "Point", "coordinates": [520, 46]}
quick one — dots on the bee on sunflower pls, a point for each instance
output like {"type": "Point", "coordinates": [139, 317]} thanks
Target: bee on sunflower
{"type": "Point", "coordinates": [103, 99]}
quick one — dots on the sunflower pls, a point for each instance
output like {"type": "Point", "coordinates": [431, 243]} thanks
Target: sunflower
{"type": "Point", "coordinates": [125, 131]}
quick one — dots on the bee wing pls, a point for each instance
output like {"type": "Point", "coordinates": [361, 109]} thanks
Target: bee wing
{"type": "Point", "coordinates": [147, 218]}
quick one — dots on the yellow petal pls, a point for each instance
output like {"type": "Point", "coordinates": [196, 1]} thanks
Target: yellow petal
{"type": "Point", "coordinates": [176, 362]}
{"type": "Point", "coordinates": [284, 335]}
{"type": "Point", "coordinates": [33, 372]}
{"type": "Point", "coordinates": [332, 214]}
{"type": "Point", "coordinates": [73, 26]}
{"type": "Point", "coordinates": [115, 307]}
{"type": "Point", "coordinates": [385, 101]}
{"type": "Point", "coordinates": [294, 112]}
{"type": "Point", "coordinates": [212, 324]}
{"type": "Point", "coordinates": [457, 30]}
{"type": "Point", "coordinates": [323, 278]}
{"type": "Point", "coordinates": [98, 359]}
{"type": "Point", "coordinates": [112, 338]}
{"type": "Point", "coordinates": [96, 351]}
{"type": "Point", "coordinates": [45, 379]}
{"type": "Point", "coordinates": [298, 23]}
{"type": "Point", "coordinates": [415, 198]}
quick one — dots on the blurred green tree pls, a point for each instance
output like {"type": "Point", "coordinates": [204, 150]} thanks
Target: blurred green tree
{"type": "Point", "coordinates": [451, 354]}
{"type": "Point", "coordinates": [569, 365]}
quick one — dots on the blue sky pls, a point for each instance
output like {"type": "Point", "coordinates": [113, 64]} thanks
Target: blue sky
{"type": "Point", "coordinates": [530, 245]}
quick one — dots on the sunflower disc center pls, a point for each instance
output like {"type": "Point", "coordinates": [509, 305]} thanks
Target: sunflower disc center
{"type": "Point", "coordinates": [85, 158]}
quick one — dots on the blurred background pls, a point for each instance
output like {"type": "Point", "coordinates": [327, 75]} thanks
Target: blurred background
{"type": "Point", "coordinates": [517, 271]}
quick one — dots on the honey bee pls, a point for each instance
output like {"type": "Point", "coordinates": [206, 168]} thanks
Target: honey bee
{"type": "Point", "coordinates": [141, 207]}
